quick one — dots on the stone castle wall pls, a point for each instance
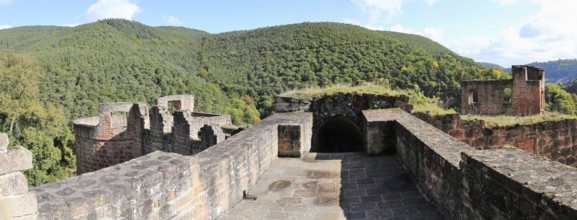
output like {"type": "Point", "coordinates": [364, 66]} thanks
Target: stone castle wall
{"type": "Point", "coordinates": [109, 139]}
{"type": "Point", "coordinates": [528, 92]}
{"type": "Point", "coordinates": [170, 126]}
{"type": "Point", "coordinates": [490, 97]}
{"type": "Point", "coordinates": [465, 183]}
{"type": "Point", "coordinates": [163, 185]}
{"type": "Point", "coordinates": [339, 105]}
{"type": "Point", "coordinates": [462, 182]}
{"type": "Point", "coordinates": [556, 140]}
{"type": "Point", "coordinates": [486, 97]}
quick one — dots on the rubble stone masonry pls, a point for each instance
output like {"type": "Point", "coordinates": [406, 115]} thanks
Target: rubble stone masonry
{"type": "Point", "coordinates": [556, 140]}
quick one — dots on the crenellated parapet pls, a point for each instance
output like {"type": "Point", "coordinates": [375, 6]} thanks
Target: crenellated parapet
{"type": "Point", "coordinates": [125, 131]}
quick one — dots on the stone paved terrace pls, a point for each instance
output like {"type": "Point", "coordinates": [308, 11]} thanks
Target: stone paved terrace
{"type": "Point", "coordinates": [335, 186]}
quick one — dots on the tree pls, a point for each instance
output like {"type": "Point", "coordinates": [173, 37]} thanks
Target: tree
{"type": "Point", "coordinates": [18, 86]}
{"type": "Point", "coordinates": [40, 127]}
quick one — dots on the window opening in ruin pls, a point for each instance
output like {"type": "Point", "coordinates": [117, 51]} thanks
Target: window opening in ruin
{"type": "Point", "coordinates": [174, 106]}
{"type": "Point", "coordinates": [119, 118]}
{"type": "Point", "coordinates": [473, 97]}
{"type": "Point", "coordinates": [507, 96]}
{"type": "Point", "coordinates": [339, 134]}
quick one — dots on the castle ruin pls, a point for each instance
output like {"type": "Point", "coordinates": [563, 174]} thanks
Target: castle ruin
{"type": "Point", "coordinates": [487, 97]}
{"type": "Point", "coordinates": [247, 175]}
{"type": "Point", "coordinates": [124, 131]}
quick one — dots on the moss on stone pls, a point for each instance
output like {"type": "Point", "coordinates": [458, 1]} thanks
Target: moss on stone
{"type": "Point", "coordinates": [508, 146]}
{"type": "Point", "coordinates": [420, 102]}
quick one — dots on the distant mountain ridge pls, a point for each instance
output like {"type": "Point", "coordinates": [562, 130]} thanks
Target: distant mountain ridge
{"type": "Point", "coordinates": [490, 65]}
{"type": "Point", "coordinates": [562, 70]}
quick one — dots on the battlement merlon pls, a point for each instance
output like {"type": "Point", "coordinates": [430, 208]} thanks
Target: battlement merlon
{"type": "Point", "coordinates": [111, 121]}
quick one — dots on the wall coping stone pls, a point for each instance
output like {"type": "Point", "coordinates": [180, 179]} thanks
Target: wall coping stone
{"type": "Point", "coordinates": [440, 142]}
{"type": "Point", "coordinates": [553, 182]}
{"type": "Point", "coordinates": [15, 160]}
{"type": "Point", "coordinates": [4, 142]}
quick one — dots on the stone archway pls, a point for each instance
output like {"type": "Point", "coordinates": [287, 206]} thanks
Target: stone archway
{"type": "Point", "coordinates": [339, 134]}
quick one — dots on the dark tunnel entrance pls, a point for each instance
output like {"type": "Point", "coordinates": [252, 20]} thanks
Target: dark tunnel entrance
{"type": "Point", "coordinates": [339, 134]}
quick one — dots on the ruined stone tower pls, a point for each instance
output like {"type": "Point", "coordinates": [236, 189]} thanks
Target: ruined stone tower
{"type": "Point", "coordinates": [487, 97]}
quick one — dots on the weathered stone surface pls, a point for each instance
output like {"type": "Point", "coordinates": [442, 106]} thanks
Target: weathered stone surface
{"type": "Point", "coordinates": [554, 140]}
{"type": "Point", "coordinates": [110, 139]}
{"type": "Point", "coordinates": [295, 136]}
{"type": "Point", "coordinates": [13, 184]}
{"type": "Point", "coordinates": [19, 205]}
{"type": "Point", "coordinates": [15, 160]}
{"type": "Point", "coordinates": [516, 183]}
{"type": "Point", "coordinates": [168, 185]}
{"type": "Point", "coordinates": [208, 184]}
{"type": "Point", "coordinates": [4, 143]}
{"type": "Point", "coordinates": [487, 96]}
{"type": "Point", "coordinates": [326, 199]}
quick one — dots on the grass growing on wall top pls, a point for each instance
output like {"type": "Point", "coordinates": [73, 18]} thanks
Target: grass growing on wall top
{"type": "Point", "coordinates": [420, 102]}
{"type": "Point", "coordinates": [318, 92]}
{"type": "Point", "coordinates": [504, 121]}
{"type": "Point", "coordinates": [434, 106]}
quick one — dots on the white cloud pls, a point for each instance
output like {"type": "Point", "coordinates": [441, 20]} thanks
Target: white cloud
{"type": "Point", "coordinates": [505, 2]}
{"type": "Point", "coordinates": [429, 32]}
{"type": "Point", "coordinates": [172, 20]}
{"type": "Point", "coordinates": [431, 2]}
{"type": "Point", "coordinates": [112, 9]}
{"type": "Point", "coordinates": [400, 28]}
{"type": "Point", "coordinates": [371, 27]}
{"type": "Point", "coordinates": [433, 33]}
{"type": "Point", "coordinates": [377, 9]}
{"type": "Point", "coordinates": [548, 35]}
{"type": "Point", "coordinates": [5, 2]}
{"type": "Point", "coordinates": [3, 26]}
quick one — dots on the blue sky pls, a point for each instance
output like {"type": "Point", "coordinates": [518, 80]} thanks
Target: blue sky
{"type": "Point", "coordinates": [505, 32]}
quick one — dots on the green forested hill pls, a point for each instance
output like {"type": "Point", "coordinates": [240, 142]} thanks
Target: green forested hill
{"type": "Point", "coordinates": [119, 60]}
{"type": "Point", "coordinates": [265, 61]}
{"type": "Point", "coordinates": [73, 69]}
{"type": "Point", "coordinates": [558, 70]}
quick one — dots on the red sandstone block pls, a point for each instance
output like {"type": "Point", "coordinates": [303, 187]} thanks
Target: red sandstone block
{"type": "Point", "coordinates": [478, 143]}
{"type": "Point", "coordinates": [458, 133]}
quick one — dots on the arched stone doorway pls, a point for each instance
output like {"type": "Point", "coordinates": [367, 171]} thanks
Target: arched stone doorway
{"type": "Point", "coordinates": [339, 134]}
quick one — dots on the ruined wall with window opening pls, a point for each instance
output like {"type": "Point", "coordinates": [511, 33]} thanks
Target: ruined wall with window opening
{"type": "Point", "coordinates": [490, 97]}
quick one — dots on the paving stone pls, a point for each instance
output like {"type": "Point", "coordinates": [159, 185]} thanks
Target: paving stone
{"type": "Point", "coordinates": [336, 186]}
{"type": "Point", "coordinates": [328, 200]}
{"type": "Point", "coordinates": [355, 192]}
{"type": "Point", "coordinates": [304, 193]}
{"type": "Point", "coordinates": [289, 200]}
{"type": "Point", "coordinates": [327, 188]}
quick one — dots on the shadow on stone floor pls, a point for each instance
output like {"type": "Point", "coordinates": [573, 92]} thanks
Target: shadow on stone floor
{"type": "Point", "coordinates": [334, 186]}
{"type": "Point", "coordinates": [378, 188]}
